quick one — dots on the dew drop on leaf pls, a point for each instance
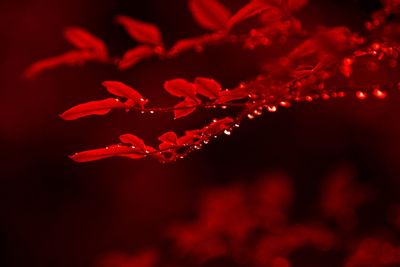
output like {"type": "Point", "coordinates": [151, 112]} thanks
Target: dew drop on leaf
{"type": "Point", "coordinates": [379, 94]}
{"type": "Point", "coordinates": [285, 104]}
{"type": "Point", "coordinates": [257, 113]}
{"type": "Point", "coordinates": [272, 108]}
{"type": "Point", "coordinates": [361, 95]}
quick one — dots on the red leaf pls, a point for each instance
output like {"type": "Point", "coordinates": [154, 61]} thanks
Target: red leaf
{"type": "Point", "coordinates": [169, 137]}
{"type": "Point", "coordinates": [250, 10]}
{"type": "Point", "coordinates": [185, 108]}
{"type": "Point", "coordinates": [133, 56]}
{"type": "Point", "coordinates": [231, 95]}
{"type": "Point", "coordinates": [100, 107]}
{"type": "Point", "coordinates": [181, 88]}
{"type": "Point", "coordinates": [210, 14]}
{"type": "Point", "coordinates": [186, 140]}
{"type": "Point", "coordinates": [218, 126]}
{"type": "Point", "coordinates": [194, 43]}
{"type": "Point", "coordinates": [122, 90]}
{"type": "Point", "coordinates": [70, 58]}
{"type": "Point", "coordinates": [82, 39]}
{"type": "Point", "coordinates": [141, 31]}
{"type": "Point", "coordinates": [134, 141]}
{"type": "Point", "coordinates": [189, 138]}
{"type": "Point", "coordinates": [102, 153]}
{"type": "Point", "coordinates": [208, 87]}
{"type": "Point", "coordinates": [295, 5]}
{"type": "Point", "coordinates": [271, 15]}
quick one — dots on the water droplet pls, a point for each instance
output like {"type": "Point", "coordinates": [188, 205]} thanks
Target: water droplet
{"type": "Point", "coordinates": [325, 96]}
{"type": "Point", "coordinates": [272, 108]}
{"type": "Point", "coordinates": [375, 46]}
{"type": "Point", "coordinates": [308, 98]}
{"type": "Point", "coordinates": [250, 116]}
{"type": "Point", "coordinates": [227, 132]}
{"type": "Point", "coordinates": [285, 104]}
{"type": "Point", "coordinates": [224, 107]}
{"type": "Point", "coordinates": [361, 95]}
{"type": "Point", "coordinates": [152, 111]}
{"type": "Point", "coordinates": [348, 61]}
{"type": "Point", "coordinates": [257, 112]}
{"type": "Point", "coordinates": [253, 96]}
{"type": "Point", "coordinates": [236, 125]}
{"type": "Point", "coordinates": [379, 94]}
{"type": "Point", "coordinates": [298, 84]}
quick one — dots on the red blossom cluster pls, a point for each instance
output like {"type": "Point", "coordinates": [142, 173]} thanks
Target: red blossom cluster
{"type": "Point", "coordinates": [326, 63]}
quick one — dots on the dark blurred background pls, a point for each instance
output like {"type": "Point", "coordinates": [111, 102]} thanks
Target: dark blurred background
{"type": "Point", "coordinates": [55, 212]}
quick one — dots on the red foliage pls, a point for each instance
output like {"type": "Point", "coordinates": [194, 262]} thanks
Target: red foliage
{"type": "Point", "coordinates": [320, 64]}
{"type": "Point", "coordinates": [210, 14]}
{"type": "Point", "coordinates": [140, 31]}
{"type": "Point", "coordinates": [100, 107]}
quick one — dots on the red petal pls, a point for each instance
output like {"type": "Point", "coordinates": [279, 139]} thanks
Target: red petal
{"type": "Point", "coordinates": [100, 107]}
{"type": "Point", "coordinates": [82, 39]}
{"type": "Point", "coordinates": [181, 88]}
{"type": "Point", "coordinates": [134, 141]}
{"type": "Point", "coordinates": [169, 137]}
{"type": "Point", "coordinates": [141, 31]}
{"type": "Point", "coordinates": [184, 108]}
{"type": "Point", "coordinates": [208, 87]}
{"type": "Point", "coordinates": [70, 58]}
{"type": "Point", "coordinates": [102, 153]}
{"type": "Point", "coordinates": [121, 89]}
{"type": "Point", "coordinates": [251, 9]}
{"type": "Point", "coordinates": [210, 14]}
{"type": "Point", "coordinates": [133, 56]}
